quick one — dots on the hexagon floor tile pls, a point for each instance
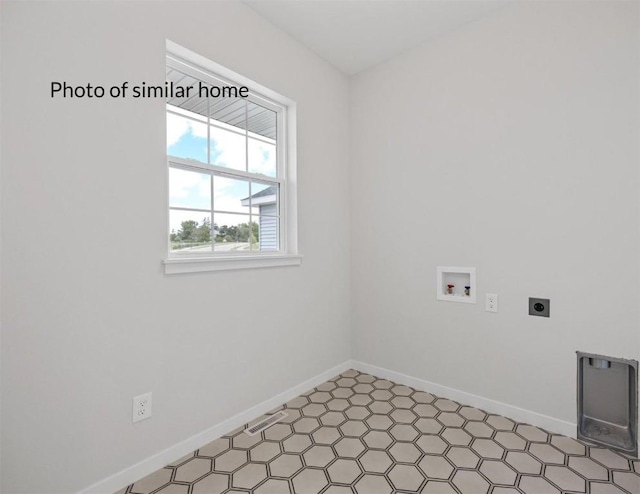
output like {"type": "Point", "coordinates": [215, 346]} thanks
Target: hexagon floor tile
{"type": "Point", "coordinates": [362, 435]}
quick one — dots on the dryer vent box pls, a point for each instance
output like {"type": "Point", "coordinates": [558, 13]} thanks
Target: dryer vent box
{"type": "Point", "coordinates": [608, 401]}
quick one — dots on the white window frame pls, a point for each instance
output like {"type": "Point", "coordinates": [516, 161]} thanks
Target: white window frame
{"type": "Point", "coordinates": [287, 254]}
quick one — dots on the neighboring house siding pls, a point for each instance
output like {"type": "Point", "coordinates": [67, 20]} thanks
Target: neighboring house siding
{"type": "Point", "coordinates": [268, 228]}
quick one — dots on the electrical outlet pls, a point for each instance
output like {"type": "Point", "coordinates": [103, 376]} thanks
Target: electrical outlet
{"type": "Point", "coordinates": [539, 307]}
{"type": "Point", "coordinates": [491, 302]}
{"type": "Point", "coordinates": [141, 407]}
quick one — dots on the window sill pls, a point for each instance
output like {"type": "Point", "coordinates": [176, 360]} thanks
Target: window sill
{"type": "Point", "coordinates": [203, 264]}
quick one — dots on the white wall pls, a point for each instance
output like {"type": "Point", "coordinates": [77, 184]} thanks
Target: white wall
{"type": "Point", "coordinates": [89, 320]}
{"type": "Point", "coordinates": [510, 145]}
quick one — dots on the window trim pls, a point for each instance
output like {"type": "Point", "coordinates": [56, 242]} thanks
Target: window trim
{"type": "Point", "coordinates": [287, 255]}
{"type": "Point", "coordinates": [241, 261]}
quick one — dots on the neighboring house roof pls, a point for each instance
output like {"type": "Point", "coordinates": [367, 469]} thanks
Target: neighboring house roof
{"type": "Point", "coordinates": [266, 196]}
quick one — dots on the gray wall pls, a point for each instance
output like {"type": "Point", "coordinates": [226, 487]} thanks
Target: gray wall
{"type": "Point", "coordinates": [510, 145]}
{"type": "Point", "coordinates": [89, 320]}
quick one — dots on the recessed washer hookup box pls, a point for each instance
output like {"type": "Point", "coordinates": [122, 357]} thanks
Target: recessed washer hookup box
{"type": "Point", "coordinates": [608, 401]}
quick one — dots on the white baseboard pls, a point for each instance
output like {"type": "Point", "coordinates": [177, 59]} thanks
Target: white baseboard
{"type": "Point", "coordinates": [159, 460]}
{"type": "Point", "coordinates": [550, 424]}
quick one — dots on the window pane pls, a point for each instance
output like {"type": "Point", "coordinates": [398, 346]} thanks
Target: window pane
{"type": "Point", "coordinates": [262, 157]}
{"type": "Point", "coordinates": [189, 231]}
{"type": "Point", "coordinates": [189, 189]}
{"type": "Point", "coordinates": [186, 138]}
{"type": "Point", "coordinates": [228, 149]}
{"type": "Point", "coordinates": [262, 139]}
{"type": "Point", "coordinates": [267, 233]}
{"type": "Point", "coordinates": [264, 199]}
{"type": "Point", "coordinates": [230, 194]}
{"type": "Point", "coordinates": [232, 232]}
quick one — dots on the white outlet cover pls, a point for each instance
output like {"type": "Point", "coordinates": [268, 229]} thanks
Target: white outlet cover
{"type": "Point", "coordinates": [491, 302]}
{"type": "Point", "coordinates": [142, 407]}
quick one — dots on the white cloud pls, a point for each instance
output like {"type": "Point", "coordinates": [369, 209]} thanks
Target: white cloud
{"type": "Point", "coordinates": [189, 189]}
{"type": "Point", "coordinates": [262, 158]}
{"type": "Point", "coordinates": [228, 194]}
{"type": "Point", "coordinates": [178, 126]}
{"type": "Point", "coordinates": [228, 149]}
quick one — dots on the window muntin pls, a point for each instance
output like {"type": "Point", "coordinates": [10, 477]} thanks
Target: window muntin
{"type": "Point", "coordinates": [226, 170]}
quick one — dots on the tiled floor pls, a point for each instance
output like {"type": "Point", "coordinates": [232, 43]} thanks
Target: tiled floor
{"type": "Point", "coordinates": [359, 434]}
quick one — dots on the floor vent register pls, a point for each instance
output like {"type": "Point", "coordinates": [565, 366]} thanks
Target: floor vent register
{"type": "Point", "coordinates": [265, 424]}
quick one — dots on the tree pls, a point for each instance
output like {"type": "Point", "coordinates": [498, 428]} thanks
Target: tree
{"type": "Point", "coordinates": [187, 230]}
{"type": "Point", "coordinates": [191, 233]}
{"type": "Point", "coordinates": [238, 233]}
{"type": "Point", "coordinates": [203, 232]}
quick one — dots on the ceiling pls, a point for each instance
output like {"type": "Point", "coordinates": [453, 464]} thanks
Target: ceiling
{"type": "Point", "coordinates": [235, 111]}
{"type": "Point", "coordinates": [354, 35]}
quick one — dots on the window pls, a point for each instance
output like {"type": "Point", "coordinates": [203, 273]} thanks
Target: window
{"type": "Point", "coordinates": [231, 192]}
